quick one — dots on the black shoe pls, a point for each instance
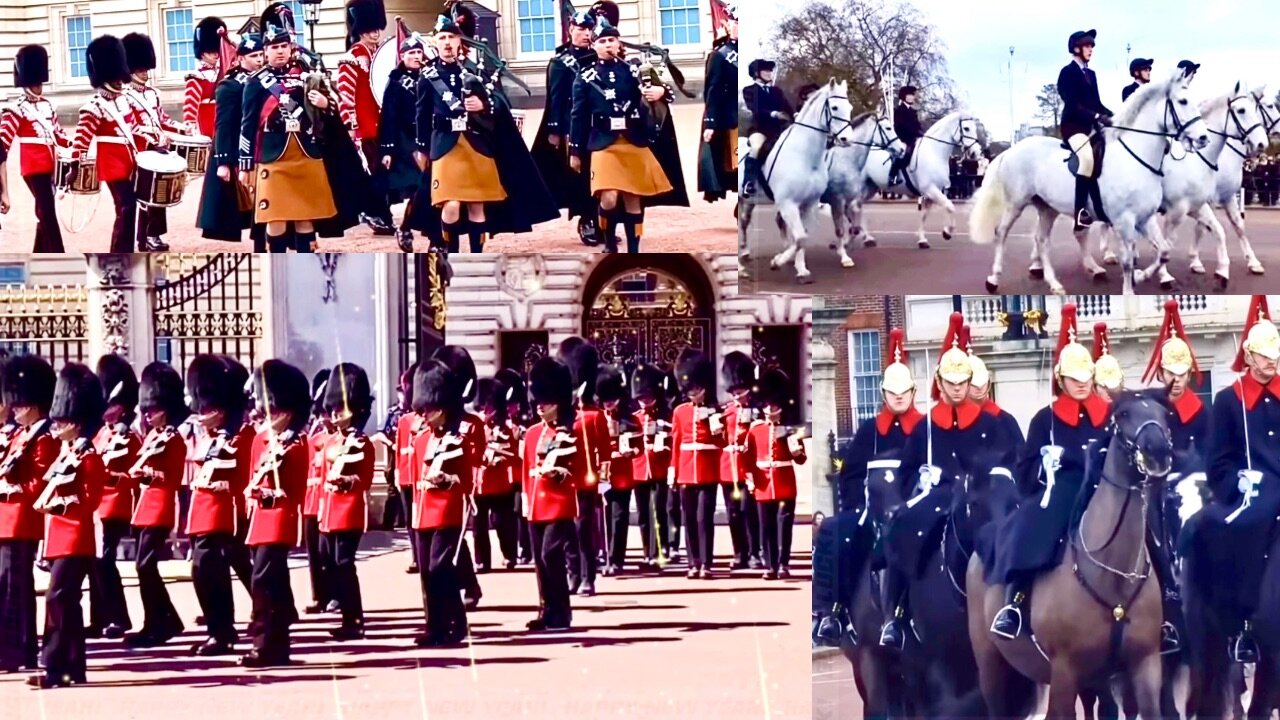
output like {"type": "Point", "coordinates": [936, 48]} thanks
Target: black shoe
{"type": "Point", "coordinates": [770, 574]}
{"type": "Point", "coordinates": [153, 244]}
{"type": "Point", "coordinates": [739, 564]}
{"type": "Point", "coordinates": [892, 637]}
{"type": "Point", "coordinates": [482, 569]}
{"type": "Point", "coordinates": [755, 563]}
{"type": "Point", "coordinates": [348, 632]}
{"type": "Point", "coordinates": [1169, 641]}
{"type": "Point", "coordinates": [536, 624]}
{"type": "Point", "coordinates": [333, 607]}
{"type": "Point", "coordinates": [315, 608]}
{"type": "Point", "coordinates": [1244, 649]}
{"type": "Point", "coordinates": [114, 631]}
{"type": "Point", "coordinates": [588, 232]}
{"type": "Point", "coordinates": [574, 584]}
{"type": "Point", "coordinates": [609, 570]}
{"type": "Point", "coordinates": [212, 647]}
{"type": "Point", "coordinates": [255, 659]}
{"type": "Point", "coordinates": [692, 574]}
{"type": "Point", "coordinates": [412, 569]}
{"type": "Point", "coordinates": [200, 620]}
{"type": "Point", "coordinates": [784, 572]}
{"type": "Point", "coordinates": [92, 632]}
{"type": "Point", "coordinates": [47, 682]}
{"type": "Point", "coordinates": [405, 241]}
{"type": "Point", "coordinates": [509, 564]}
{"type": "Point", "coordinates": [1008, 622]}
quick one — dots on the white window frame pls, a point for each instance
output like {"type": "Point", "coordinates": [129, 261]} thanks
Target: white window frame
{"type": "Point", "coordinates": [516, 19]}
{"type": "Point", "coordinates": [68, 62]}
{"type": "Point", "coordinates": [164, 61]}
{"type": "Point", "coordinates": [853, 362]}
{"type": "Point", "coordinates": [695, 37]}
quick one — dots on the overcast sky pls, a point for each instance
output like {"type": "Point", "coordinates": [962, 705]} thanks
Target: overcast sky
{"type": "Point", "coordinates": [1232, 39]}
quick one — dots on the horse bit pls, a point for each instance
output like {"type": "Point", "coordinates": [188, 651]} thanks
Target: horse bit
{"type": "Point", "coordinates": [1179, 127]}
{"type": "Point", "coordinates": [1239, 126]}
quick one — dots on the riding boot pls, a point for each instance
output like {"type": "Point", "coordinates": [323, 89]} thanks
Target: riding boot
{"type": "Point", "coordinates": [750, 166]}
{"type": "Point", "coordinates": [1008, 622]}
{"type": "Point", "coordinates": [893, 635]}
{"type": "Point", "coordinates": [452, 233]}
{"type": "Point", "coordinates": [1083, 218]}
{"type": "Point", "coordinates": [1095, 194]}
{"type": "Point", "coordinates": [609, 229]}
{"type": "Point", "coordinates": [1244, 649]}
{"type": "Point", "coordinates": [1170, 642]}
{"type": "Point", "coordinates": [634, 229]}
{"type": "Point", "coordinates": [478, 237]}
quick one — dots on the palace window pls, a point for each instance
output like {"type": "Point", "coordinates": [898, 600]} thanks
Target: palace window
{"type": "Point", "coordinates": [79, 33]}
{"type": "Point", "coordinates": [539, 28]}
{"type": "Point", "coordinates": [681, 21]}
{"type": "Point", "coordinates": [178, 31]}
{"type": "Point", "coordinates": [864, 373]}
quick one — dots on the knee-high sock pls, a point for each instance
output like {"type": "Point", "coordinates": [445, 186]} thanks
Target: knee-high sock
{"type": "Point", "coordinates": [634, 227]}
{"type": "Point", "coordinates": [278, 243]}
{"type": "Point", "coordinates": [609, 227]}
{"type": "Point", "coordinates": [305, 242]}
{"type": "Point", "coordinates": [452, 233]}
{"type": "Point", "coordinates": [476, 232]}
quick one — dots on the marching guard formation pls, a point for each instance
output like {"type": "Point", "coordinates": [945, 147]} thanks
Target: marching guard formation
{"type": "Point", "coordinates": [549, 461]}
{"type": "Point", "coordinates": [292, 152]}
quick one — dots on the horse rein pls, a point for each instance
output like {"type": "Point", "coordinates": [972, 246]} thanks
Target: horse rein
{"type": "Point", "coordinates": [883, 139]}
{"type": "Point", "coordinates": [827, 117]}
{"type": "Point", "coordinates": [1223, 134]}
{"type": "Point", "coordinates": [1267, 124]}
{"type": "Point", "coordinates": [962, 141]}
{"type": "Point", "coordinates": [1179, 129]}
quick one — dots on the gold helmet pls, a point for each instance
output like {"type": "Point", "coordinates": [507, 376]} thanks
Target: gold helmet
{"type": "Point", "coordinates": [1073, 359]}
{"type": "Point", "coordinates": [954, 365]}
{"type": "Point", "coordinates": [897, 374]}
{"type": "Point", "coordinates": [1107, 372]}
{"type": "Point", "coordinates": [1261, 336]}
{"type": "Point", "coordinates": [981, 376]}
{"type": "Point", "coordinates": [1172, 351]}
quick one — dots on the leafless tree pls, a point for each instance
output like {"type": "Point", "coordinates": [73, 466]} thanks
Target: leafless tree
{"type": "Point", "coordinates": [1050, 104]}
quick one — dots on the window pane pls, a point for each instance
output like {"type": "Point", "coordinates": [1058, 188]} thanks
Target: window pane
{"type": "Point", "coordinates": [539, 28]}
{"type": "Point", "coordinates": [680, 21]}
{"type": "Point", "coordinates": [178, 30]}
{"type": "Point", "coordinates": [864, 356]}
{"type": "Point", "coordinates": [299, 21]}
{"type": "Point", "coordinates": [79, 33]}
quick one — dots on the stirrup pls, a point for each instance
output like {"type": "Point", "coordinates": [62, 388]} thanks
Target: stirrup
{"type": "Point", "coordinates": [1170, 643]}
{"type": "Point", "coordinates": [1244, 649]}
{"type": "Point", "coordinates": [887, 638]}
{"type": "Point", "coordinates": [829, 631]}
{"type": "Point", "coordinates": [1017, 616]}
{"type": "Point", "coordinates": [1083, 218]}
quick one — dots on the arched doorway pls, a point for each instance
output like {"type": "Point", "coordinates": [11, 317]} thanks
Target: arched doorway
{"type": "Point", "coordinates": [649, 308]}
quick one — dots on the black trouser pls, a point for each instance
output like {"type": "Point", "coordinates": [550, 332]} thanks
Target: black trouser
{"type": "Point", "coordinates": [502, 508]}
{"type": "Point", "coordinates": [124, 234]}
{"type": "Point", "coordinates": [619, 524]}
{"type": "Point", "coordinates": [699, 509]}
{"type": "Point", "coordinates": [441, 586]}
{"type": "Point", "coordinates": [238, 555]}
{"type": "Point", "coordinates": [341, 548]}
{"type": "Point", "coordinates": [581, 553]}
{"type": "Point", "coordinates": [19, 642]}
{"type": "Point", "coordinates": [651, 516]}
{"type": "Point", "coordinates": [158, 613]}
{"type": "Point", "coordinates": [107, 605]}
{"type": "Point", "coordinates": [467, 571]}
{"type": "Point", "coordinates": [211, 576]}
{"type": "Point", "coordinates": [744, 522]}
{"type": "Point", "coordinates": [154, 221]}
{"type": "Point", "coordinates": [63, 654]}
{"type": "Point", "coordinates": [523, 536]}
{"type": "Point", "coordinates": [676, 514]}
{"type": "Point", "coordinates": [406, 498]}
{"type": "Point", "coordinates": [550, 541]}
{"type": "Point", "coordinates": [48, 232]}
{"type": "Point", "coordinates": [378, 204]}
{"type": "Point", "coordinates": [777, 520]}
{"type": "Point", "coordinates": [318, 564]}
{"type": "Point", "coordinates": [272, 595]}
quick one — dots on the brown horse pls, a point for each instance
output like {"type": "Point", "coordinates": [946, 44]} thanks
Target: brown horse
{"type": "Point", "coordinates": [1100, 610]}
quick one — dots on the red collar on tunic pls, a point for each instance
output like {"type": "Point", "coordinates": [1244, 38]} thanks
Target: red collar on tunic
{"type": "Point", "coordinates": [962, 415]}
{"type": "Point", "coordinates": [1249, 390]}
{"type": "Point", "coordinates": [990, 407]}
{"type": "Point", "coordinates": [1068, 410]}
{"type": "Point", "coordinates": [884, 421]}
{"type": "Point", "coordinates": [1188, 406]}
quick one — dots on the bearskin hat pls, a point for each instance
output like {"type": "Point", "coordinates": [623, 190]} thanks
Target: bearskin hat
{"type": "Point", "coordinates": [458, 360]}
{"type": "Point", "coordinates": [118, 382]}
{"type": "Point", "coordinates": [77, 398]}
{"type": "Point", "coordinates": [28, 380]}
{"type": "Point", "coordinates": [406, 384]}
{"type": "Point", "coordinates": [738, 371]}
{"type": "Point", "coordinates": [139, 51]}
{"type": "Point", "coordinates": [551, 381]}
{"type": "Point", "coordinates": [207, 37]}
{"type": "Point", "coordinates": [318, 383]}
{"type": "Point", "coordinates": [215, 384]}
{"type": "Point", "coordinates": [106, 61]}
{"type": "Point", "coordinates": [774, 388]}
{"type": "Point", "coordinates": [281, 387]}
{"type": "Point", "coordinates": [365, 16]}
{"type": "Point", "coordinates": [495, 394]}
{"type": "Point", "coordinates": [611, 385]}
{"type": "Point", "coordinates": [280, 15]}
{"type": "Point", "coordinates": [648, 380]}
{"type": "Point", "coordinates": [583, 361]}
{"type": "Point", "coordinates": [464, 19]}
{"type": "Point", "coordinates": [31, 66]}
{"type": "Point", "coordinates": [436, 386]}
{"type": "Point", "coordinates": [349, 388]}
{"type": "Point", "coordinates": [161, 389]}
{"type": "Point", "coordinates": [695, 369]}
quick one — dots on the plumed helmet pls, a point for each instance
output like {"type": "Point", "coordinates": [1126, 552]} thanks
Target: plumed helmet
{"type": "Point", "coordinates": [1107, 372]}
{"type": "Point", "coordinates": [1261, 336]}
{"type": "Point", "coordinates": [160, 388]}
{"type": "Point", "coordinates": [106, 61]}
{"type": "Point", "coordinates": [738, 371]}
{"type": "Point", "coordinates": [119, 382]}
{"type": "Point", "coordinates": [458, 360]}
{"type": "Point", "coordinates": [897, 374]}
{"type": "Point", "coordinates": [1073, 359]}
{"type": "Point", "coordinates": [281, 387]}
{"type": "Point", "coordinates": [207, 37]}
{"type": "Point", "coordinates": [139, 52]}
{"type": "Point", "coordinates": [31, 66]}
{"type": "Point", "coordinates": [349, 389]}
{"type": "Point", "coordinates": [77, 398]}
{"type": "Point", "coordinates": [28, 380]}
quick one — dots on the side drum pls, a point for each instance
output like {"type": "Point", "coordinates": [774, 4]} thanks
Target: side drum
{"type": "Point", "coordinates": [78, 179]}
{"type": "Point", "coordinates": [194, 150]}
{"type": "Point", "coordinates": [161, 179]}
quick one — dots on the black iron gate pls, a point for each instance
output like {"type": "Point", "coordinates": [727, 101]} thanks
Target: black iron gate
{"type": "Point", "coordinates": [48, 321]}
{"type": "Point", "coordinates": [208, 304]}
{"type": "Point", "coordinates": [648, 316]}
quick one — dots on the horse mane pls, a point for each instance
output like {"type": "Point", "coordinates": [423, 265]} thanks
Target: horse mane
{"type": "Point", "coordinates": [1213, 105]}
{"type": "Point", "coordinates": [816, 99]}
{"type": "Point", "coordinates": [1138, 100]}
{"type": "Point", "coordinates": [942, 121]}
{"type": "Point", "coordinates": [857, 120]}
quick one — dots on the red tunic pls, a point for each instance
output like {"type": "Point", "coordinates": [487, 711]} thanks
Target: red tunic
{"type": "Point", "coordinates": [197, 101]}
{"type": "Point", "coordinates": [118, 447]}
{"type": "Point", "coordinates": [356, 102]}
{"type": "Point", "coordinates": [772, 464]}
{"type": "Point", "coordinates": [34, 125]}
{"type": "Point", "coordinates": [31, 453]}
{"type": "Point", "coordinates": [444, 455]}
{"type": "Point", "coordinates": [621, 471]}
{"type": "Point", "coordinates": [223, 466]}
{"type": "Point", "coordinates": [281, 467]}
{"type": "Point", "coordinates": [592, 430]}
{"type": "Point", "coordinates": [656, 458]}
{"type": "Point", "coordinates": [407, 430]}
{"type": "Point", "coordinates": [550, 497]}
{"type": "Point", "coordinates": [733, 464]}
{"type": "Point", "coordinates": [165, 452]}
{"type": "Point", "coordinates": [500, 464]}
{"type": "Point", "coordinates": [108, 129]}
{"type": "Point", "coordinates": [76, 475]}
{"type": "Point", "coordinates": [153, 113]}
{"type": "Point", "coordinates": [346, 509]}
{"type": "Point", "coordinates": [317, 441]}
{"type": "Point", "coordinates": [697, 448]}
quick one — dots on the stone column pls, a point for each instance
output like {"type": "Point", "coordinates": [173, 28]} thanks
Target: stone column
{"type": "Point", "coordinates": [822, 498]}
{"type": "Point", "coordinates": [121, 305]}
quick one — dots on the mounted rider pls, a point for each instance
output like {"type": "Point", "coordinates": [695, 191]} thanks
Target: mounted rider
{"type": "Point", "coordinates": [1082, 113]}
{"type": "Point", "coordinates": [906, 123]}
{"type": "Point", "coordinates": [1058, 439]}
{"type": "Point", "coordinates": [1140, 71]}
{"type": "Point", "coordinates": [980, 392]}
{"type": "Point", "coordinates": [938, 453]}
{"type": "Point", "coordinates": [770, 113]}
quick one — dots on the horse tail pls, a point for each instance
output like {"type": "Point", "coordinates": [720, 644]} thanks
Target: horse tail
{"type": "Point", "coordinates": [988, 205]}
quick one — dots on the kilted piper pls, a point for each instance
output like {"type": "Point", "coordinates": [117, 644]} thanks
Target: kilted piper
{"type": "Point", "coordinates": [226, 207]}
{"type": "Point", "coordinates": [280, 153]}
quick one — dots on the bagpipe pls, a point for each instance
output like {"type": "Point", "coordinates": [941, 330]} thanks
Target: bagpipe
{"type": "Point", "coordinates": [60, 490]}
{"type": "Point", "coordinates": [9, 488]}
{"type": "Point", "coordinates": [219, 456]}
{"type": "Point", "coordinates": [152, 448]}
{"type": "Point", "coordinates": [265, 487]}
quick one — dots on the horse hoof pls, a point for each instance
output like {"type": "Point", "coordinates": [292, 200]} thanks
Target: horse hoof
{"type": "Point", "coordinates": [847, 262]}
{"type": "Point", "coordinates": [1110, 259]}
{"type": "Point", "coordinates": [1222, 281]}
{"type": "Point", "coordinates": [1257, 269]}
{"type": "Point", "coordinates": [1037, 273]}
{"type": "Point", "coordinates": [773, 264]}
{"type": "Point", "coordinates": [946, 234]}
{"type": "Point", "coordinates": [992, 288]}
{"type": "Point", "coordinates": [1100, 276]}
{"type": "Point", "coordinates": [805, 279]}
{"type": "Point", "coordinates": [924, 244]}
{"type": "Point", "coordinates": [1166, 285]}
{"type": "Point", "coordinates": [869, 242]}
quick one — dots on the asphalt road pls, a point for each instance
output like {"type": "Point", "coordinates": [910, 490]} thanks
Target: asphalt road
{"type": "Point", "coordinates": [897, 266]}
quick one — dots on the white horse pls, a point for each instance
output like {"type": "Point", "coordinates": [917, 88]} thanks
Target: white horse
{"type": "Point", "coordinates": [796, 171]}
{"type": "Point", "coordinates": [848, 178]}
{"type": "Point", "coordinates": [1034, 172]}
{"type": "Point", "coordinates": [930, 171]}
{"type": "Point", "coordinates": [1189, 180]}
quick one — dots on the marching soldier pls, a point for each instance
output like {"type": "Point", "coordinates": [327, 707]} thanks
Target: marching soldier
{"type": "Point", "coordinates": [159, 471]}
{"type": "Point", "coordinates": [443, 483]}
{"type": "Point", "coordinates": [319, 563]}
{"type": "Point", "coordinates": [980, 393]}
{"type": "Point", "coordinates": [72, 488]}
{"type": "Point", "coordinates": [498, 474]}
{"type": "Point", "coordinates": [27, 389]}
{"type": "Point", "coordinates": [740, 374]}
{"type": "Point", "coordinates": [521, 418]}
{"type": "Point", "coordinates": [1058, 444]}
{"type": "Point", "coordinates": [651, 464]}
{"type": "Point", "coordinates": [408, 427]}
{"type": "Point", "coordinates": [623, 447]}
{"type": "Point", "coordinates": [554, 465]}
{"type": "Point", "coordinates": [198, 102]}
{"type": "Point", "coordinates": [32, 120]}
{"type": "Point", "coordinates": [216, 389]}
{"type": "Point", "coordinates": [939, 451]}
{"type": "Point", "coordinates": [698, 440]}
{"type": "Point", "coordinates": [141, 56]}
{"type": "Point", "coordinates": [551, 146]}
{"type": "Point", "coordinates": [118, 446]}
{"type": "Point", "coordinates": [583, 361]}
{"type": "Point", "coordinates": [906, 124]}
{"type": "Point", "coordinates": [344, 516]}
{"type": "Point", "coordinates": [773, 451]}
{"type": "Point", "coordinates": [281, 157]}
{"type": "Point", "coordinates": [397, 130]}
{"type": "Point", "coordinates": [366, 21]}
{"type": "Point", "coordinates": [718, 157]}
{"type": "Point", "coordinates": [770, 112]}
{"type": "Point", "coordinates": [1140, 71]}
{"type": "Point", "coordinates": [611, 125]}
{"type": "Point", "coordinates": [226, 206]}
{"type": "Point", "coordinates": [277, 488]}
{"type": "Point", "coordinates": [1082, 112]}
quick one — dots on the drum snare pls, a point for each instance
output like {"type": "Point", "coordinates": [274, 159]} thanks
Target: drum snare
{"type": "Point", "coordinates": [161, 179]}
{"type": "Point", "coordinates": [194, 150]}
{"type": "Point", "coordinates": [78, 178]}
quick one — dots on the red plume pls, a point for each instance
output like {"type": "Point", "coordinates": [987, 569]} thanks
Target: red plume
{"type": "Point", "coordinates": [897, 346]}
{"type": "Point", "coordinates": [1100, 340]}
{"type": "Point", "coordinates": [1257, 311]}
{"type": "Point", "coordinates": [1065, 332]}
{"type": "Point", "coordinates": [955, 328]}
{"type": "Point", "coordinates": [719, 16]}
{"type": "Point", "coordinates": [228, 53]}
{"type": "Point", "coordinates": [1170, 328]}
{"type": "Point", "coordinates": [965, 338]}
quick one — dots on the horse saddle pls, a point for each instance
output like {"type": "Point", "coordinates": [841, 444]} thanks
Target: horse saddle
{"type": "Point", "coordinates": [1086, 155]}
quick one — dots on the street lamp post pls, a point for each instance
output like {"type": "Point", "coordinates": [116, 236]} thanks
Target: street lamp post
{"type": "Point", "coordinates": [311, 16]}
{"type": "Point", "coordinates": [1012, 129]}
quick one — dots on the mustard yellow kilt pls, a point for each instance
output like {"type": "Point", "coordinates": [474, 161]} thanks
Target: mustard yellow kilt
{"type": "Point", "coordinates": [731, 152]}
{"type": "Point", "coordinates": [293, 188]}
{"type": "Point", "coordinates": [627, 168]}
{"type": "Point", "coordinates": [464, 175]}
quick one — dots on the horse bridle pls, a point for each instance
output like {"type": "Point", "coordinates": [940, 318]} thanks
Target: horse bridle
{"type": "Point", "coordinates": [1131, 446]}
{"type": "Point", "coordinates": [961, 140]}
{"type": "Point", "coordinates": [1223, 134]}
{"type": "Point", "coordinates": [882, 140]}
{"type": "Point", "coordinates": [827, 117]}
{"type": "Point", "coordinates": [1267, 124]}
{"type": "Point", "coordinates": [1180, 128]}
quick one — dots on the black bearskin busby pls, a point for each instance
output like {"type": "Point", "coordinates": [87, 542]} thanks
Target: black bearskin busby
{"type": "Point", "coordinates": [458, 360]}
{"type": "Point", "coordinates": [118, 382]}
{"type": "Point", "coordinates": [280, 15]}
{"type": "Point", "coordinates": [161, 389]}
{"type": "Point", "coordinates": [31, 66]}
{"type": "Point", "coordinates": [611, 384]}
{"type": "Point", "coordinates": [206, 38]}
{"type": "Point", "coordinates": [463, 18]}
{"type": "Point", "coordinates": [365, 16]}
{"type": "Point", "coordinates": [318, 384]}
{"type": "Point", "coordinates": [652, 381]}
{"type": "Point", "coordinates": [214, 383]}
{"type": "Point", "coordinates": [693, 369]}
{"type": "Point", "coordinates": [738, 371]}
{"type": "Point", "coordinates": [774, 388]}
{"type": "Point", "coordinates": [28, 381]}
{"type": "Point", "coordinates": [106, 61]}
{"type": "Point", "coordinates": [583, 361]}
{"type": "Point", "coordinates": [437, 387]}
{"type": "Point", "coordinates": [349, 388]}
{"type": "Point", "coordinates": [78, 399]}
{"type": "Point", "coordinates": [518, 394]}
{"type": "Point", "coordinates": [493, 394]}
{"type": "Point", "coordinates": [551, 382]}
{"type": "Point", "coordinates": [139, 51]}
{"type": "Point", "coordinates": [281, 387]}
